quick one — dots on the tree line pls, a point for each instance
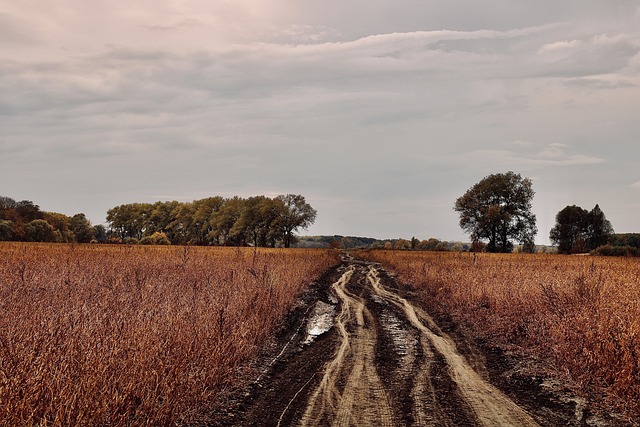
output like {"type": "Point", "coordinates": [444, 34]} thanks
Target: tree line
{"type": "Point", "coordinates": [24, 221]}
{"type": "Point", "coordinates": [258, 221]}
{"type": "Point", "coordinates": [236, 221]}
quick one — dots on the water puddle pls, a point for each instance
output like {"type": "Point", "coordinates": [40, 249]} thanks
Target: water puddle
{"type": "Point", "coordinates": [320, 320]}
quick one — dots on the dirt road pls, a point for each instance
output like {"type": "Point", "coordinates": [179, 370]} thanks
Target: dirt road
{"type": "Point", "coordinates": [359, 353]}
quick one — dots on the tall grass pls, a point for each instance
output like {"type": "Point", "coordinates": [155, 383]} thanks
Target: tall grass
{"type": "Point", "coordinates": [579, 314]}
{"type": "Point", "coordinates": [129, 336]}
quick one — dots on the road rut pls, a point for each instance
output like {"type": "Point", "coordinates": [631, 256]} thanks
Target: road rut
{"type": "Point", "coordinates": [385, 362]}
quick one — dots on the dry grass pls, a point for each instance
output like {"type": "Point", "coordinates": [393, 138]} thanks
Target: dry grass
{"type": "Point", "coordinates": [579, 314]}
{"type": "Point", "coordinates": [124, 336]}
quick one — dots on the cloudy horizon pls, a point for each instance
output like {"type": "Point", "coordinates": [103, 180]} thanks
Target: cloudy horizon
{"type": "Point", "coordinates": [381, 114]}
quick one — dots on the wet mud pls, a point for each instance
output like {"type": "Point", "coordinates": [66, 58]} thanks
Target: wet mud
{"type": "Point", "coordinates": [359, 351]}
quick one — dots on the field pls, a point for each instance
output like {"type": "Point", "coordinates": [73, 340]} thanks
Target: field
{"type": "Point", "coordinates": [121, 335]}
{"type": "Point", "coordinates": [137, 335]}
{"type": "Point", "coordinates": [580, 315]}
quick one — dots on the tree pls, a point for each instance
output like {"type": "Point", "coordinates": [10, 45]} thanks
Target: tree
{"type": "Point", "coordinates": [569, 233]}
{"type": "Point", "coordinates": [578, 230]}
{"type": "Point", "coordinates": [39, 230]}
{"type": "Point", "coordinates": [224, 220]}
{"type": "Point", "coordinates": [6, 230]}
{"type": "Point", "coordinates": [82, 228]}
{"type": "Point", "coordinates": [100, 233]}
{"type": "Point", "coordinates": [296, 213]}
{"type": "Point", "coordinates": [599, 229]}
{"type": "Point", "coordinates": [498, 209]}
{"type": "Point", "coordinates": [130, 220]}
{"type": "Point", "coordinates": [61, 224]}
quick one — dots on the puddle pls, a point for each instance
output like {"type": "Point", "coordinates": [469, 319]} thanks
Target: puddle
{"type": "Point", "coordinates": [320, 320]}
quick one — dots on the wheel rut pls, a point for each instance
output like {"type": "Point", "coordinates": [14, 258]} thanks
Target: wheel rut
{"type": "Point", "coordinates": [384, 362]}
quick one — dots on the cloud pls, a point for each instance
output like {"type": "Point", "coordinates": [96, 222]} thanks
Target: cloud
{"type": "Point", "coordinates": [238, 97]}
{"type": "Point", "coordinates": [636, 185]}
{"type": "Point", "coordinates": [553, 151]}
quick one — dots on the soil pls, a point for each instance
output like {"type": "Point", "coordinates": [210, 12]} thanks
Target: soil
{"type": "Point", "coordinates": [360, 350]}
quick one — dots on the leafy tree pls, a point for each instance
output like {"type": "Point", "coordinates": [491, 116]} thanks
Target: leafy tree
{"type": "Point", "coordinates": [162, 217]}
{"type": "Point", "coordinates": [401, 244]}
{"type": "Point", "coordinates": [569, 233]}
{"type": "Point", "coordinates": [599, 229]}
{"type": "Point", "coordinates": [224, 221]}
{"type": "Point", "coordinates": [28, 211]}
{"type": "Point", "coordinates": [39, 230]}
{"type": "Point", "coordinates": [251, 223]}
{"type": "Point", "coordinates": [100, 233]}
{"type": "Point", "coordinates": [6, 230]}
{"type": "Point", "coordinates": [498, 209]}
{"type": "Point", "coordinates": [7, 204]}
{"type": "Point", "coordinates": [429, 245]}
{"type": "Point", "coordinates": [130, 220]}
{"type": "Point", "coordinates": [258, 220]}
{"type": "Point", "coordinates": [414, 243]}
{"type": "Point", "coordinates": [61, 224]}
{"type": "Point", "coordinates": [157, 238]}
{"type": "Point", "coordinates": [296, 213]}
{"type": "Point", "coordinates": [578, 230]}
{"type": "Point", "coordinates": [201, 222]}
{"type": "Point", "coordinates": [82, 228]}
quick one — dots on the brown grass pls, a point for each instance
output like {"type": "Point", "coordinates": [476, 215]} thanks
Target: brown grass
{"type": "Point", "coordinates": [581, 315]}
{"type": "Point", "coordinates": [124, 336]}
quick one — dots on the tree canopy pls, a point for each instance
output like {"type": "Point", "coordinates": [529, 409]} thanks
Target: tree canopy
{"type": "Point", "coordinates": [578, 230]}
{"type": "Point", "coordinates": [498, 209]}
{"type": "Point", "coordinates": [24, 221]}
{"type": "Point", "coordinates": [235, 221]}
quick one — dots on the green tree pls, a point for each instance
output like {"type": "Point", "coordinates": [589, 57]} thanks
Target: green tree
{"type": "Point", "coordinates": [39, 230]}
{"type": "Point", "coordinates": [82, 228]}
{"type": "Point", "coordinates": [130, 220]}
{"type": "Point", "coordinates": [296, 213]}
{"type": "Point", "coordinates": [570, 230]}
{"type": "Point", "coordinates": [224, 220]}
{"type": "Point", "coordinates": [599, 229]}
{"type": "Point", "coordinates": [6, 230]}
{"type": "Point", "coordinates": [498, 209]}
{"type": "Point", "coordinates": [578, 230]}
{"type": "Point", "coordinates": [204, 211]}
{"type": "Point", "coordinates": [157, 238]}
{"type": "Point", "coordinates": [61, 224]}
{"type": "Point", "coordinates": [161, 217]}
{"type": "Point", "coordinates": [100, 233]}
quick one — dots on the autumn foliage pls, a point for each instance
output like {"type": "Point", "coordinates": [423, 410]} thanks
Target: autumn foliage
{"type": "Point", "coordinates": [579, 314]}
{"type": "Point", "coordinates": [128, 336]}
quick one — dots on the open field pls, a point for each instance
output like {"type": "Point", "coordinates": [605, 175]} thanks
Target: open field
{"type": "Point", "coordinates": [121, 335]}
{"type": "Point", "coordinates": [580, 315]}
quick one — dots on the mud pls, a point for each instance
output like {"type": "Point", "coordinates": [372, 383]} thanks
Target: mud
{"type": "Point", "coordinates": [359, 351]}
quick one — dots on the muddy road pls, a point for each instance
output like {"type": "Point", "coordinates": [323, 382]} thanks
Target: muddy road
{"type": "Point", "coordinates": [359, 352]}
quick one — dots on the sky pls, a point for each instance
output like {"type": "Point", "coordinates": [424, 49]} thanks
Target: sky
{"type": "Point", "coordinates": [381, 113]}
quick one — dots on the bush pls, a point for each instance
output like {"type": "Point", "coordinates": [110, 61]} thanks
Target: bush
{"type": "Point", "coordinates": [156, 238]}
{"type": "Point", "coordinates": [608, 250]}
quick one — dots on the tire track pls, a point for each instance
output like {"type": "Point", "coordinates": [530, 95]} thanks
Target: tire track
{"type": "Point", "coordinates": [385, 363]}
{"type": "Point", "coordinates": [491, 407]}
{"type": "Point", "coordinates": [350, 392]}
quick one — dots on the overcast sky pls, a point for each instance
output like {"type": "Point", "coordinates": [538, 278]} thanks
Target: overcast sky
{"type": "Point", "coordinates": [381, 113]}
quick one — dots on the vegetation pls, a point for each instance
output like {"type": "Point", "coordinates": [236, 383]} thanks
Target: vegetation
{"type": "Point", "coordinates": [351, 242]}
{"type": "Point", "coordinates": [498, 208]}
{"type": "Point", "coordinates": [24, 221]}
{"type": "Point", "coordinates": [580, 315]}
{"type": "Point", "coordinates": [130, 336]}
{"type": "Point", "coordinates": [578, 230]}
{"type": "Point", "coordinates": [259, 221]}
